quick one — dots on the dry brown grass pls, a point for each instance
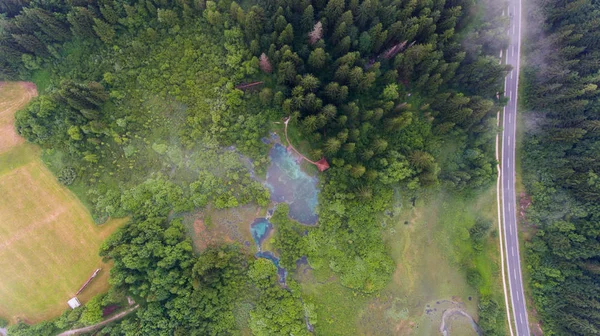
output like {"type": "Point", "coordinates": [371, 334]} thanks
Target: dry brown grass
{"type": "Point", "coordinates": [48, 241]}
{"type": "Point", "coordinates": [13, 96]}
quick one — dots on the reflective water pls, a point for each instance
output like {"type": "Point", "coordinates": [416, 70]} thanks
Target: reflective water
{"type": "Point", "coordinates": [288, 183]}
{"type": "Point", "coordinates": [260, 230]}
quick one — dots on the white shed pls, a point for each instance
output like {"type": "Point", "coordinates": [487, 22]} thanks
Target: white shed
{"type": "Point", "coordinates": [74, 303]}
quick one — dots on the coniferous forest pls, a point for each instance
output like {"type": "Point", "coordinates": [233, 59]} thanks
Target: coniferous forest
{"type": "Point", "coordinates": [142, 101]}
{"type": "Point", "coordinates": [560, 161]}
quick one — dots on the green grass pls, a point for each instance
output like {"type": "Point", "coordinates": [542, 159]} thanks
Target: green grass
{"type": "Point", "coordinates": [337, 307]}
{"type": "Point", "coordinates": [431, 255]}
{"type": "Point", "coordinates": [41, 78]}
{"type": "Point", "coordinates": [49, 243]}
{"type": "Point", "coordinates": [431, 258]}
{"type": "Point", "coordinates": [17, 157]}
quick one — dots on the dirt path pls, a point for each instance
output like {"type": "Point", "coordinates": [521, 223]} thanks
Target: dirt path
{"type": "Point", "coordinates": [101, 324]}
{"type": "Point", "coordinates": [452, 312]}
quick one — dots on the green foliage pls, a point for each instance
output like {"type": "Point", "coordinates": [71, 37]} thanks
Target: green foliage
{"type": "Point", "coordinates": [67, 176]}
{"type": "Point", "coordinates": [561, 166]}
{"type": "Point", "coordinates": [279, 310]}
{"type": "Point", "coordinates": [93, 311]}
{"type": "Point", "coordinates": [291, 241]}
{"type": "Point", "coordinates": [142, 112]}
{"type": "Point", "coordinates": [490, 316]}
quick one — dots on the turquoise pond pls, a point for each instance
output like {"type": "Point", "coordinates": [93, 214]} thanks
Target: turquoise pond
{"type": "Point", "coordinates": [260, 229]}
{"type": "Point", "coordinates": [288, 184]}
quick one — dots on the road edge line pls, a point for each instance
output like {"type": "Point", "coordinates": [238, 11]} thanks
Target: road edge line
{"type": "Point", "coordinates": [500, 226]}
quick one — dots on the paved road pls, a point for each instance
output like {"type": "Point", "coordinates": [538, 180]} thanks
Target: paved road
{"type": "Point", "coordinates": [509, 199]}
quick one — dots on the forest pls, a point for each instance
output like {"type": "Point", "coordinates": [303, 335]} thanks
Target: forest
{"type": "Point", "coordinates": [561, 166]}
{"type": "Point", "coordinates": [144, 112]}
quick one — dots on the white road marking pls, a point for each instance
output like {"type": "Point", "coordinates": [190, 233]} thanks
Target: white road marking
{"type": "Point", "coordinates": [513, 251]}
{"type": "Point", "coordinates": [509, 138]}
{"type": "Point", "coordinates": [501, 53]}
{"type": "Point", "coordinates": [508, 161]}
{"type": "Point", "coordinates": [516, 287]}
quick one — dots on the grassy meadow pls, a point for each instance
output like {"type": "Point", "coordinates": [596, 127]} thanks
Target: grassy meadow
{"type": "Point", "coordinates": [48, 240]}
{"type": "Point", "coordinates": [431, 256]}
{"type": "Point", "coordinates": [432, 253]}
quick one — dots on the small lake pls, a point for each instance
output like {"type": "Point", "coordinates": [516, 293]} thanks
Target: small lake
{"type": "Point", "coordinates": [288, 183]}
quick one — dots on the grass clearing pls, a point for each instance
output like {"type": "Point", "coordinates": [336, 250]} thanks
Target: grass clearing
{"type": "Point", "coordinates": [430, 248]}
{"type": "Point", "coordinates": [212, 227]}
{"type": "Point", "coordinates": [337, 306]}
{"type": "Point", "coordinates": [49, 243]}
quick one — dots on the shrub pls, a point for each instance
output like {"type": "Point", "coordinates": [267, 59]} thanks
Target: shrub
{"type": "Point", "coordinates": [67, 176]}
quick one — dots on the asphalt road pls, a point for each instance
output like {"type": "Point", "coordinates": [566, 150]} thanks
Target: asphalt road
{"type": "Point", "coordinates": [509, 199]}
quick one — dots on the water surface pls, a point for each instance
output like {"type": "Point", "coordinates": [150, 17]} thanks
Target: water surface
{"type": "Point", "coordinates": [288, 183]}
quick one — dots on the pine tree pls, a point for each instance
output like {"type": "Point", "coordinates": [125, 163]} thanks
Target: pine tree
{"type": "Point", "coordinates": [329, 111]}
{"type": "Point", "coordinates": [109, 13]}
{"type": "Point", "coordinates": [310, 82]}
{"type": "Point", "coordinates": [343, 46]}
{"type": "Point", "coordinates": [280, 23]}
{"type": "Point", "coordinates": [253, 25]}
{"type": "Point", "coordinates": [365, 43]}
{"type": "Point", "coordinates": [334, 10]}
{"type": "Point", "coordinates": [357, 170]}
{"type": "Point", "coordinates": [342, 73]}
{"type": "Point", "coordinates": [355, 77]}
{"type": "Point", "coordinates": [31, 44]}
{"type": "Point", "coordinates": [307, 21]}
{"type": "Point", "coordinates": [54, 29]}
{"type": "Point", "coordinates": [104, 30]}
{"type": "Point", "coordinates": [332, 146]}
{"type": "Point", "coordinates": [339, 33]}
{"type": "Point", "coordinates": [287, 35]}
{"type": "Point", "coordinates": [82, 22]}
{"type": "Point", "coordinates": [365, 12]}
{"type": "Point", "coordinates": [310, 124]}
{"type": "Point", "coordinates": [317, 58]}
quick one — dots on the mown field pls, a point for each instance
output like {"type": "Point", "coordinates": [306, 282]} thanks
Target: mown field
{"type": "Point", "coordinates": [48, 241]}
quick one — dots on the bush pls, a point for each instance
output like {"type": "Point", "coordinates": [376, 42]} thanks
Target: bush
{"type": "Point", "coordinates": [67, 176]}
{"type": "Point", "coordinates": [3, 323]}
